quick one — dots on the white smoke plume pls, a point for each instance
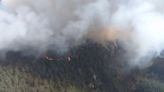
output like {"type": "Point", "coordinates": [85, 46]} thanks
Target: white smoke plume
{"type": "Point", "coordinates": [62, 24]}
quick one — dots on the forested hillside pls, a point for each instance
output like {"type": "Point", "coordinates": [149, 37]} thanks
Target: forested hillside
{"type": "Point", "coordinates": [88, 68]}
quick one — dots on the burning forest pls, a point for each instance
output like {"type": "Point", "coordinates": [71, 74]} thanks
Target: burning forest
{"type": "Point", "coordinates": [81, 45]}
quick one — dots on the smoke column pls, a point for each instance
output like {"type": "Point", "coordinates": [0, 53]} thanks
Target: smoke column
{"type": "Point", "coordinates": [62, 24]}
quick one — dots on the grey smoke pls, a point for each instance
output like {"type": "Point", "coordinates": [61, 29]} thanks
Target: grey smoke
{"type": "Point", "coordinates": [62, 24]}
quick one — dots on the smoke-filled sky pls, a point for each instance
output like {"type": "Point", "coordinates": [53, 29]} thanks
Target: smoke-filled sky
{"type": "Point", "coordinates": [61, 24]}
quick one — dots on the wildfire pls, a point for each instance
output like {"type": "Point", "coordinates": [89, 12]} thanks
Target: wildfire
{"type": "Point", "coordinates": [108, 34]}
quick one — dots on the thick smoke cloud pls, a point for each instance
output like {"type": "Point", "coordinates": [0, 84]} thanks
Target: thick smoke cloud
{"type": "Point", "coordinates": [62, 24]}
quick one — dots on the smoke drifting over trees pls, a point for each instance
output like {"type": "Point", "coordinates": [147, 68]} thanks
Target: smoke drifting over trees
{"type": "Point", "coordinates": [136, 25]}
